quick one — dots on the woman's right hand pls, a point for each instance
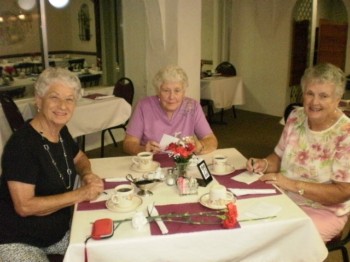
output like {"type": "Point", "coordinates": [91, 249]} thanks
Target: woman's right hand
{"type": "Point", "coordinates": [152, 146]}
{"type": "Point", "coordinates": [91, 190]}
{"type": "Point", "coordinates": [256, 165]}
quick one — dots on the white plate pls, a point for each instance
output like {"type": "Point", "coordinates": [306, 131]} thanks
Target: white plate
{"type": "Point", "coordinates": [136, 202]}
{"type": "Point", "coordinates": [229, 170]}
{"type": "Point", "coordinates": [153, 167]}
{"type": "Point", "coordinates": [204, 200]}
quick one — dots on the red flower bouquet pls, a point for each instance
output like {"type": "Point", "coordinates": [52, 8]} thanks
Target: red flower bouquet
{"type": "Point", "coordinates": [182, 151]}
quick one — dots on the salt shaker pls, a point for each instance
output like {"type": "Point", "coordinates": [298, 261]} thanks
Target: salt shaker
{"type": "Point", "coordinates": [170, 178]}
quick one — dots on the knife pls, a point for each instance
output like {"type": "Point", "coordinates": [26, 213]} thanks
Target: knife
{"type": "Point", "coordinates": [154, 212]}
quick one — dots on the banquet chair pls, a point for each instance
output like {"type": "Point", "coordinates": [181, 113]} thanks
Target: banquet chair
{"type": "Point", "coordinates": [88, 80]}
{"type": "Point", "coordinates": [226, 69]}
{"type": "Point", "coordinates": [210, 108]}
{"type": "Point", "coordinates": [76, 64]}
{"type": "Point", "coordinates": [123, 88]}
{"type": "Point", "coordinates": [289, 109]}
{"type": "Point", "coordinates": [12, 113]}
{"type": "Point", "coordinates": [340, 241]}
{"type": "Point", "coordinates": [15, 92]}
{"type": "Point", "coordinates": [26, 67]}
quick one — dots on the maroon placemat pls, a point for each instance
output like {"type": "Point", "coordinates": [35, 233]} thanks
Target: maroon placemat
{"type": "Point", "coordinates": [175, 228]}
{"type": "Point", "coordinates": [164, 159]}
{"type": "Point", "coordinates": [86, 205]}
{"type": "Point", "coordinates": [230, 183]}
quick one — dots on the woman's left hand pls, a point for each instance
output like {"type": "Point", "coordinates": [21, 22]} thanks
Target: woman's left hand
{"type": "Point", "coordinates": [92, 178]}
{"type": "Point", "coordinates": [271, 178]}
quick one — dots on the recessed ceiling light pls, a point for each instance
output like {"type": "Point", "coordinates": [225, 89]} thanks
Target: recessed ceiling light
{"type": "Point", "coordinates": [26, 4]}
{"type": "Point", "coordinates": [59, 3]}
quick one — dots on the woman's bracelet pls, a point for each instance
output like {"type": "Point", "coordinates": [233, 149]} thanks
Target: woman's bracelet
{"type": "Point", "coordinates": [266, 165]}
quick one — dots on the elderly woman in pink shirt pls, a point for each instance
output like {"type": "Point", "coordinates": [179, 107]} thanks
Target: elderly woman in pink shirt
{"type": "Point", "coordinates": [312, 158]}
{"type": "Point", "coordinates": [169, 112]}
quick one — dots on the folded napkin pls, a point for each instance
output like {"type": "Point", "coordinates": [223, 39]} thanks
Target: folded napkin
{"type": "Point", "coordinates": [115, 179]}
{"type": "Point", "coordinates": [99, 203]}
{"type": "Point", "coordinates": [247, 177]}
{"type": "Point", "coordinates": [152, 210]}
{"type": "Point", "coordinates": [229, 182]}
{"type": "Point", "coordinates": [261, 209]}
{"type": "Point", "coordinates": [245, 191]}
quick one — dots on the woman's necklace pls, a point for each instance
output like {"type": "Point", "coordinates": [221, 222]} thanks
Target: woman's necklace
{"type": "Point", "coordinates": [69, 170]}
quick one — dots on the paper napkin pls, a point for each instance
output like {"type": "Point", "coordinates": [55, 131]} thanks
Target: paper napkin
{"type": "Point", "coordinates": [262, 209]}
{"type": "Point", "coordinates": [104, 196]}
{"type": "Point", "coordinates": [166, 140]}
{"type": "Point", "coordinates": [245, 191]}
{"type": "Point", "coordinates": [247, 177]}
{"type": "Point", "coordinates": [115, 179]}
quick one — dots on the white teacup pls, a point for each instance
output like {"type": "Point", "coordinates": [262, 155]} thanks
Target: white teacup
{"type": "Point", "coordinates": [123, 195]}
{"type": "Point", "coordinates": [218, 195]}
{"type": "Point", "coordinates": [219, 163]}
{"type": "Point", "coordinates": [143, 160]}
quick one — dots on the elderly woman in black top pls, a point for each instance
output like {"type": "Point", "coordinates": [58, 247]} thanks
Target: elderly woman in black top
{"type": "Point", "coordinates": [40, 163]}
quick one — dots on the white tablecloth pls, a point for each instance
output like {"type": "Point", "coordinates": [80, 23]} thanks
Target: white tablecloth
{"type": "Point", "coordinates": [90, 116]}
{"type": "Point", "coordinates": [291, 236]}
{"type": "Point", "coordinates": [224, 91]}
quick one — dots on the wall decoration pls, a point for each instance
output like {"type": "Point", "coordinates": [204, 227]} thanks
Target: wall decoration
{"type": "Point", "coordinates": [84, 23]}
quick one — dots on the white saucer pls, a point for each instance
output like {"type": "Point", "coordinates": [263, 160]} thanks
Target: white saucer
{"type": "Point", "coordinates": [229, 170]}
{"type": "Point", "coordinates": [153, 167]}
{"type": "Point", "coordinates": [136, 202]}
{"type": "Point", "coordinates": [204, 200]}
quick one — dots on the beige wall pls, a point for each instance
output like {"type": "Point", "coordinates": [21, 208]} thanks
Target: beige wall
{"type": "Point", "coordinates": [62, 30]}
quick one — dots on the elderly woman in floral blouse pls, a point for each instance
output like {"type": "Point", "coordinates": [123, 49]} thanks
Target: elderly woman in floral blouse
{"type": "Point", "coordinates": [311, 162]}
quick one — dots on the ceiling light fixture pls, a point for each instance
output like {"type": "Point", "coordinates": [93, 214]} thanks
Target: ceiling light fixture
{"type": "Point", "coordinates": [59, 3]}
{"type": "Point", "coordinates": [26, 4]}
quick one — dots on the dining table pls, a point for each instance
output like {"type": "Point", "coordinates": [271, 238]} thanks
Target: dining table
{"type": "Point", "coordinates": [271, 227]}
{"type": "Point", "coordinates": [224, 91]}
{"type": "Point", "coordinates": [90, 115]}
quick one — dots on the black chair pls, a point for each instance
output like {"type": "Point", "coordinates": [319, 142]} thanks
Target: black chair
{"type": "Point", "coordinates": [76, 64]}
{"type": "Point", "coordinates": [124, 88]}
{"type": "Point", "coordinates": [339, 242]}
{"type": "Point", "coordinates": [210, 108]}
{"type": "Point", "coordinates": [88, 80]}
{"type": "Point", "coordinates": [26, 67]}
{"type": "Point", "coordinates": [226, 69]}
{"type": "Point", "coordinates": [289, 109]}
{"type": "Point", "coordinates": [12, 113]}
{"type": "Point", "coordinates": [14, 92]}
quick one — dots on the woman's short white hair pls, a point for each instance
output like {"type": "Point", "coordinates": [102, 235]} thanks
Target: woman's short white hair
{"type": "Point", "coordinates": [325, 73]}
{"type": "Point", "coordinates": [53, 75]}
{"type": "Point", "coordinates": [170, 73]}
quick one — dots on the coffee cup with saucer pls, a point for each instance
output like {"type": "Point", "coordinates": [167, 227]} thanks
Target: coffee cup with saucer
{"type": "Point", "coordinates": [123, 199]}
{"type": "Point", "coordinates": [217, 198]}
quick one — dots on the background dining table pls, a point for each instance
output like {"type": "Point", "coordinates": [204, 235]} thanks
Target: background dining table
{"type": "Point", "coordinates": [289, 236]}
{"type": "Point", "coordinates": [90, 115]}
{"type": "Point", "coordinates": [224, 91]}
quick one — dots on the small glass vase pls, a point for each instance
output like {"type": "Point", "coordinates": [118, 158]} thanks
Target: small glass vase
{"type": "Point", "coordinates": [181, 169]}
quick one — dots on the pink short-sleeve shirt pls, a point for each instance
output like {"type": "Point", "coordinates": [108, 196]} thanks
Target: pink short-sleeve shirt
{"type": "Point", "coordinates": [149, 121]}
{"type": "Point", "coordinates": [320, 157]}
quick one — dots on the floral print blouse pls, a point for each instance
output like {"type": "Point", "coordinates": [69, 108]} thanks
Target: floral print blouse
{"type": "Point", "coordinates": [315, 156]}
